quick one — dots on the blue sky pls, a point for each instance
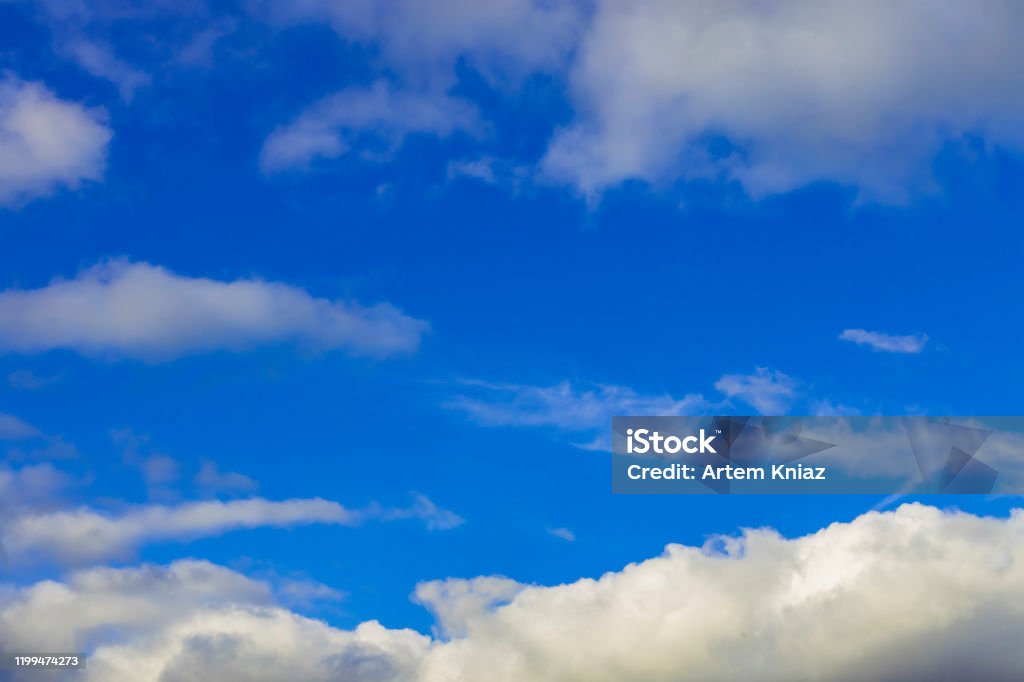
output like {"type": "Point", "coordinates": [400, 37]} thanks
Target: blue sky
{"type": "Point", "coordinates": [551, 235]}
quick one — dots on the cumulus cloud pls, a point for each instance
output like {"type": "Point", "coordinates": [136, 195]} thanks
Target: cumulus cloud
{"type": "Point", "coordinates": [329, 128]}
{"type": "Point", "coordinates": [779, 96]}
{"type": "Point", "coordinates": [84, 535]}
{"type": "Point", "coordinates": [194, 620]}
{"type": "Point", "coordinates": [768, 391]}
{"type": "Point", "coordinates": [887, 343]}
{"type": "Point", "coordinates": [458, 605]}
{"type": "Point", "coordinates": [46, 142]}
{"type": "Point", "coordinates": [913, 594]}
{"type": "Point", "coordinates": [141, 600]}
{"type": "Point", "coordinates": [137, 310]}
{"type": "Point", "coordinates": [563, 405]}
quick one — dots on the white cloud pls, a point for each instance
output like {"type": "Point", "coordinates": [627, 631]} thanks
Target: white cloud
{"type": "Point", "coordinates": [563, 405]}
{"type": "Point", "coordinates": [458, 605]}
{"type": "Point", "coordinates": [32, 443]}
{"type": "Point", "coordinates": [502, 39]}
{"type": "Point", "coordinates": [159, 471]}
{"type": "Point", "coordinates": [886, 342]}
{"type": "Point", "coordinates": [33, 487]}
{"type": "Point", "coordinates": [194, 620]}
{"type": "Point", "coordinates": [563, 534]}
{"type": "Point", "coordinates": [421, 48]}
{"type": "Point", "coordinates": [201, 49]}
{"type": "Point", "coordinates": [99, 60]}
{"type": "Point", "coordinates": [329, 128]}
{"type": "Point", "coordinates": [46, 142]}
{"type": "Point", "coordinates": [13, 428]}
{"type": "Point", "coordinates": [913, 594]}
{"type": "Point", "coordinates": [86, 535]}
{"type": "Point", "coordinates": [492, 171]}
{"type": "Point", "coordinates": [138, 310]}
{"type": "Point", "coordinates": [422, 508]}
{"type": "Point", "coordinates": [305, 593]}
{"type": "Point", "coordinates": [588, 409]}
{"type": "Point", "coordinates": [904, 595]}
{"type": "Point", "coordinates": [861, 94]}
{"type": "Point", "coordinates": [211, 480]}
{"type": "Point", "coordinates": [768, 391]}
{"type": "Point", "coordinates": [140, 600]}
{"type": "Point", "coordinates": [866, 95]}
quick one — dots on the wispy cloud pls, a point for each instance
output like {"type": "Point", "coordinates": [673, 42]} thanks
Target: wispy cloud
{"type": "Point", "coordinates": [13, 428]}
{"type": "Point", "coordinates": [585, 410]}
{"type": "Point", "coordinates": [492, 171]}
{"type": "Point", "coordinates": [563, 405]}
{"type": "Point", "coordinates": [29, 442]}
{"type": "Point", "coordinates": [826, 408]}
{"type": "Point", "coordinates": [768, 391]}
{"type": "Point", "coordinates": [422, 508]}
{"type": "Point", "coordinates": [137, 310]}
{"type": "Point", "coordinates": [30, 488]}
{"type": "Point", "coordinates": [28, 380]}
{"type": "Point", "coordinates": [334, 125]}
{"type": "Point", "coordinates": [99, 60]}
{"type": "Point", "coordinates": [888, 343]}
{"type": "Point", "coordinates": [87, 535]}
{"type": "Point", "coordinates": [427, 43]}
{"type": "Point", "coordinates": [562, 534]}
{"type": "Point", "coordinates": [210, 480]}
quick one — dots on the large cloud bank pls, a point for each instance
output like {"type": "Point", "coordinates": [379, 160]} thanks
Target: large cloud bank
{"type": "Point", "coordinates": [913, 594]}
